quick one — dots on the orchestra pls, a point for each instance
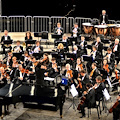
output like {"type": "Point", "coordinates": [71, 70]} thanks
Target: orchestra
{"type": "Point", "coordinates": [89, 77]}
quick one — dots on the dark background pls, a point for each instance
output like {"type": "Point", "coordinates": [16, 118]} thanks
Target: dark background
{"type": "Point", "coordinates": [84, 8]}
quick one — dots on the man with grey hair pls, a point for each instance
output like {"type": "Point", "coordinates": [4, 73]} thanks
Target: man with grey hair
{"type": "Point", "coordinates": [103, 19]}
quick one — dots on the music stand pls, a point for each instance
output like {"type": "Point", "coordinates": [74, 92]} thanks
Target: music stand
{"type": "Point", "coordinates": [7, 42]}
{"type": "Point", "coordinates": [54, 54]}
{"type": "Point", "coordinates": [87, 58]}
{"type": "Point", "coordinates": [37, 55]}
{"type": "Point", "coordinates": [71, 55]}
{"type": "Point", "coordinates": [57, 42]}
{"type": "Point", "coordinates": [56, 36]}
{"type": "Point", "coordinates": [38, 35]}
{"type": "Point", "coordinates": [30, 41]}
{"type": "Point", "coordinates": [17, 55]}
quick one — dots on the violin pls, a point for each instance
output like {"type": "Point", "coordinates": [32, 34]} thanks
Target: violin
{"type": "Point", "coordinates": [106, 67]}
{"type": "Point", "coordinates": [79, 82]}
{"type": "Point", "coordinates": [69, 75]}
{"type": "Point", "coordinates": [114, 106]}
{"type": "Point", "coordinates": [24, 71]}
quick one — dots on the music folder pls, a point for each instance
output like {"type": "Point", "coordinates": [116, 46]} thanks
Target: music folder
{"type": "Point", "coordinates": [17, 55]}
{"type": "Point", "coordinates": [87, 58]}
{"type": "Point", "coordinates": [72, 38]}
{"type": "Point", "coordinates": [103, 72]}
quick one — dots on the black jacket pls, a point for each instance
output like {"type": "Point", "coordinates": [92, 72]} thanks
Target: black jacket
{"type": "Point", "coordinates": [55, 30]}
{"type": "Point", "coordinates": [3, 38]}
{"type": "Point", "coordinates": [101, 19]}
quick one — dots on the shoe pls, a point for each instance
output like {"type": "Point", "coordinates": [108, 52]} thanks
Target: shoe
{"type": "Point", "coordinates": [82, 116]}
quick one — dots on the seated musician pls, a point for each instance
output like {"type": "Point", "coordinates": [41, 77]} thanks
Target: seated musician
{"type": "Point", "coordinates": [64, 39]}
{"type": "Point", "coordinates": [83, 79]}
{"type": "Point", "coordinates": [25, 59]}
{"type": "Point", "coordinates": [82, 46]}
{"type": "Point", "coordinates": [76, 51]}
{"type": "Point", "coordinates": [94, 73]}
{"type": "Point", "coordinates": [68, 73]}
{"type": "Point", "coordinates": [61, 53]}
{"type": "Point", "coordinates": [45, 59]}
{"type": "Point", "coordinates": [99, 87]}
{"type": "Point", "coordinates": [111, 58]}
{"type": "Point", "coordinates": [18, 48]}
{"type": "Point", "coordinates": [6, 37]}
{"type": "Point", "coordinates": [59, 30]}
{"type": "Point", "coordinates": [89, 101]}
{"type": "Point", "coordinates": [53, 69]}
{"type": "Point", "coordinates": [116, 49]}
{"type": "Point", "coordinates": [28, 35]}
{"type": "Point", "coordinates": [98, 44]}
{"type": "Point", "coordinates": [76, 32]}
{"type": "Point", "coordinates": [3, 76]}
{"type": "Point", "coordinates": [106, 68]}
{"type": "Point", "coordinates": [116, 109]}
{"type": "Point", "coordinates": [103, 18]}
{"type": "Point", "coordinates": [37, 48]}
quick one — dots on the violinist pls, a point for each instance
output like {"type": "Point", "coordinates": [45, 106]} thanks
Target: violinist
{"type": "Point", "coordinates": [99, 87]}
{"type": "Point", "coordinates": [94, 73]}
{"type": "Point", "coordinates": [53, 69]}
{"type": "Point", "coordinates": [3, 76]}
{"type": "Point", "coordinates": [116, 109]}
{"type": "Point", "coordinates": [45, 59]}
{"type": "Point", "coordinates": [83, 79]}
{"type": "Point", "coordinates": [68, 73]}
{"type": "Point", "coordinates": [89, 100]}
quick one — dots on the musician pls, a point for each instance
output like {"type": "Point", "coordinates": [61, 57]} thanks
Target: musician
{"type": "Point", "coordinates": [94, 73]}
{"type": "Point", "coordinates": [18, 48]}
{"type": "Point", "coordinates": [59, 30]}
{"type": "Point", "coordinates": [82, 46]}
{"type": "Point", "coordinates": [98, 44]}
{"type": "Point", "coordinates": [103, 19]}
{"type": "Point", "coordinates": [116, 49]}
{"type": "Point", "coordinates": [99, 87]}
{"type": "Point", "coordinates": [3, 76]}
{"type": "Point", "coordinates": [89, 99]}
{"type": "Point", "coordinates": [68, 73]}
{"type": "Point", "coordinates": [84, 79]}
{"type": "Point", "coordinates": [45, 59]}
{"type": "Point", "coordinates": [53, 69]}
{"type": "Point", "coordinates": [76, 51]}
{"type": "Point", "coordinates": [110, 58]}
{"type": "Point", "coordinates": [28, 35]}
{"type": "Point", "coordinates": [116, 110]}
{"type": "Point", "coordinates": [75, 30]}
{"type": "Point", "coordinates": [5, 37]}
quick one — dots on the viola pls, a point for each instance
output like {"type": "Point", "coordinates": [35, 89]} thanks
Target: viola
{"type": "Point", "coordinates": [114, 106]}
{"type": "Point", "coordinates": [24, 71]}
{"type": "Point", "coordinates": [106, 67]}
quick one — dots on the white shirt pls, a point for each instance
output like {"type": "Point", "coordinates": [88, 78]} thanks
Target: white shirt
{"type": "Point", "coordinates": [115, 48]}
{"type": "Point", "coordinates": [6, 38]}
{"type": "Point", "coordinates": [94, 54]}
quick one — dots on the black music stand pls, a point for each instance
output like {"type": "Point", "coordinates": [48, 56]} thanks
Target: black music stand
{"type": "Point", "coordinates": [56, 36]}
{"type": "Point", "coordinates": [38, 35]}
{"type": "Point", "coordinates": [7, 42]}
{"type": "Point", "coordinates": [17, 55]}
{"type": "Point", "coordinates": [71, 55]}
{"type": "Point", "coordinates": [64, 43]}
{"type": "Point", "coordinates": [54, 54]}
{"type": "Point", "coordinates": [38, 55]}
{"type": "Point", "coordinates": [30, 41]}
{"type": "Point", "coordinates": [88, 58]}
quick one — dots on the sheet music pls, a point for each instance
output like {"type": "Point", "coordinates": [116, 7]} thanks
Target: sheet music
{"type": "Point", "coordinates": [73, 90]}
{"type": "Point", "coordinates": [10, 90]}
{"type": "Point", "coordinates": [32, 90]}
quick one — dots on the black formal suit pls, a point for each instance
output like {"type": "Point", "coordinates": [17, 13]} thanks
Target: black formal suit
{"type": "Point", "coordinates": [98, 91]}
{"type": "Point", "coordinates": [105, 19]}
{"type": "Point", "coordinates": [83, 49]}
{"type": "Point", "coordinates": [41, 48]}
{"type": "Point", "coordinates": [78, 31]}
{"type": "Point", "coordinates": [21, 49]}
{"type": "Point", "coordinates": [89, 102]}
{"type": "Point", "coordinates": [55, 31]}
{"type": "Point", "coordinates": [84, 81]}
{"type": "Point", "coordinates": [99, 46]}
{"type": "Point", "coordinates": [3, 38]}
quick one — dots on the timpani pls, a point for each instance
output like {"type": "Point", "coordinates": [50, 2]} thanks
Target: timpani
{"type": "Point", "coordinates": [88, 27]}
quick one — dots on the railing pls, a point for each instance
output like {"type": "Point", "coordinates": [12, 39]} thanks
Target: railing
{"type": "Point", "coordinates": [41, 23]}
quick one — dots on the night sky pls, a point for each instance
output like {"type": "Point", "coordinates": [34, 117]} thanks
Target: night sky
{"type": "Point", "coordinates": [84, 8]}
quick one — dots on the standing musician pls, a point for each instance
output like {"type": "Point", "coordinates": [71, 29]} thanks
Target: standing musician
{"type": "Point", "coordinates": [98, 44]}
{"type": "Point", "coordinates": [116, 49]}
{"type": "Point", "coordinates": [89, 99]}
{"type": "Point", "coordinates": [99, 87]}
{"type": "Point", "coordinates": [18, 48]}
{"type": "Point", "coordinates": [110, 58]}
{"type": "Point", "coordinates": [68, 73]}
{"type": "Point", "coordinates": [103, 19]}
{"type": "Point", "coordinates": [116, 109]}
{"type": "Point", "coordinates": [83, 79]}
{"type": "Point", "coordinates": [94, 73]}
{"type": "Point", "coordinates": [59, 30]}
{"type": "Point", "coordinates": [82, 46]}
{"type": "Point", "coordinates": [5, 37]}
